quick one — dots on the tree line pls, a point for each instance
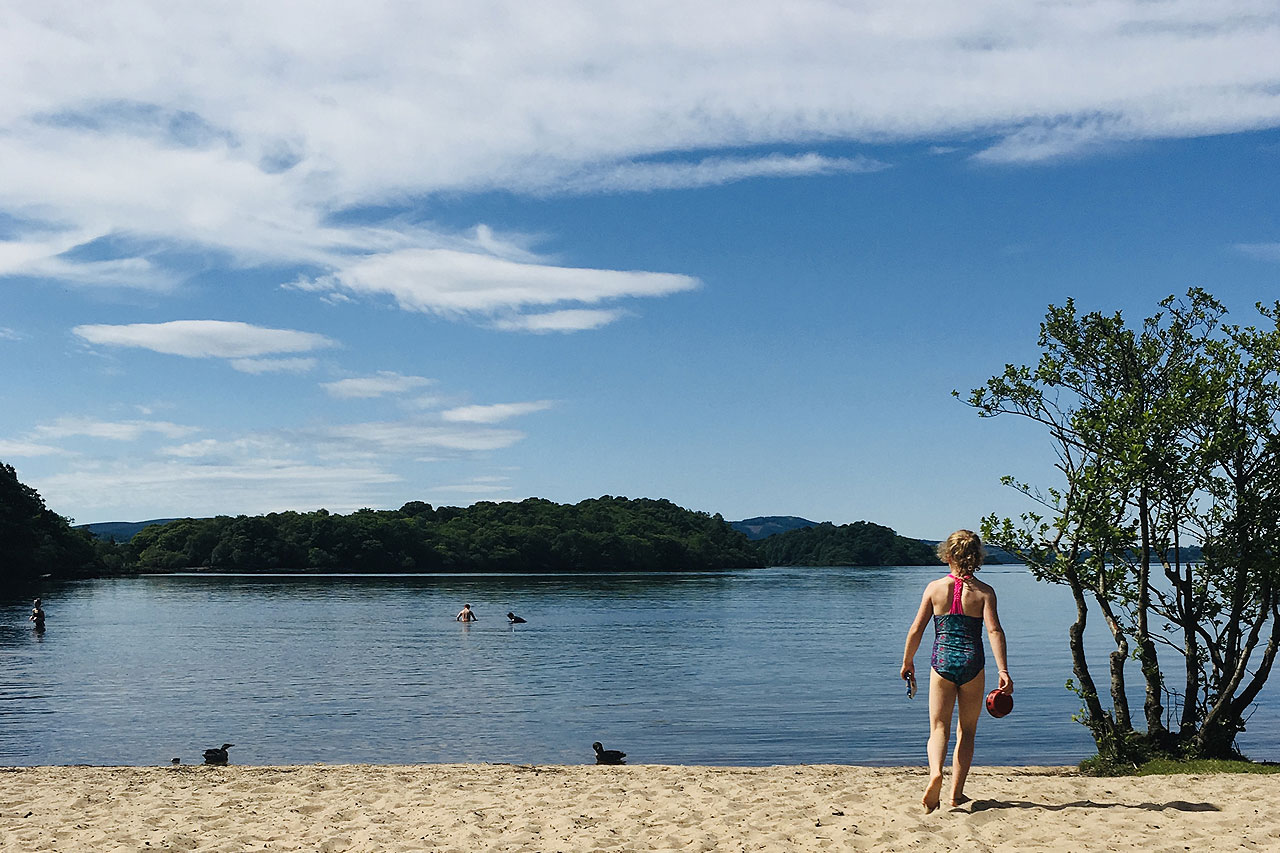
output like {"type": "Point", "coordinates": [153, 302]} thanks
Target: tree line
{"type": "Point", "coordinates": [861, 543]}
{"type": "Point", "coordinates": [535, 535]}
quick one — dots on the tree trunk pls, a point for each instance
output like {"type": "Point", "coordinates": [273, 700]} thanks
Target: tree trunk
{"type": "Point", "coordinates": [1100, 725]}
{"type": "Point", "coordinates": [1119, 701]}
{"type": "Point", "coordinates": [1152, 704]}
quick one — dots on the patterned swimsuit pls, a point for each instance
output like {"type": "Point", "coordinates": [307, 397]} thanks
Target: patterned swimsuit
{"type": "Point", "coordinates": [957, 643]}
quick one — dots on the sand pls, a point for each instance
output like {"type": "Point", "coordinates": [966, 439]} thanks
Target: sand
{"type": "Point", "coordinates": [449, 808]}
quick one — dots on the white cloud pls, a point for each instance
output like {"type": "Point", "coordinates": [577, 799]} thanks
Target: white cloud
{"type": "Point", "coordinates": [272, 450]}
{"type": "Point", "coordinates": [1261, 251]}
{"type": "Point", "coordinates": [28, 448]}
{"type": "Point", "coordinates": [475, 487]}
{"type": "Point", "coordinates": [273, 365]}
{"type": "Point", "coordinates": [204, 338]}
{"type": "Point", "coordinates": [112, 430]}
{"type": "Point", "coordinates": [133, 131]}
{"type": "Point", "coordinates": [341, 467]}
{"type": "Point", "coordinates": [156, 488]}
{"type": "Point", "coordinates": [385, 382]}
{"type": "Point", "coordinates": [406, 437]}
{"type": "Point", "coordinates": [494, 413]}
{"type": "Point", "coordinates": [7, 334]}
{"type": "Point", "coordinates": [711, 171]}
{"type": "Point", "coordinates": [445, 281]}
{"type": "Point", "coordinates": [568, 320]}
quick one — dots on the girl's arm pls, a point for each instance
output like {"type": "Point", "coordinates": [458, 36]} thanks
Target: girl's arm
{"type": "Point", "coordinates": [914, 633]}
{"type": "Point", "coordinates": [999, 648]}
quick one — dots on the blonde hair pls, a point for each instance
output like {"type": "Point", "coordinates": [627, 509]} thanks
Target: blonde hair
{"type": "Point", "coordinates": [964, 550]}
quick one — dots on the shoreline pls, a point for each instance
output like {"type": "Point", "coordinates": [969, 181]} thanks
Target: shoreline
{"type": "Point", "coordinates": [639, 807]}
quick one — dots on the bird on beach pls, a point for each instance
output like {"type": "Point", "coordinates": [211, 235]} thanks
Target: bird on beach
{"type": "Point", "coordinates": [217, 755]}
{"type": "Point", "coordinates": [515, 620]}
{"type": "Point", "coordinates": [608, 756]}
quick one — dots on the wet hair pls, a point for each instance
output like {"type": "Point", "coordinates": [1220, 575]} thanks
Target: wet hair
{"type": "Point", "coordinates": [964, 549]}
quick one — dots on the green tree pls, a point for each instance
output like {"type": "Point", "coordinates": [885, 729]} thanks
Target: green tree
{"type": "Point", "coordinates": [535, 535]}
{"type": "Point", "coordinates": [36, 541]}
{"type": "Point", "coordinates": [1167, 435]}
{"type": "Point", "coordinates": [861, 543]}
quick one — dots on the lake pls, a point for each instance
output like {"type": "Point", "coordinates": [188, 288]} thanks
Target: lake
{"type": "Point", "coordinates": [751, 667]}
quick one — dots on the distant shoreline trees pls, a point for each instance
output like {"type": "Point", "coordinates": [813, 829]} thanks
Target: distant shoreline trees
{"type": "Point", "coordinates": [535, 535]}
{"type": "Point", "coordinates": [859, 544]}
{"type": "Point", "coordinates": [607, 534]}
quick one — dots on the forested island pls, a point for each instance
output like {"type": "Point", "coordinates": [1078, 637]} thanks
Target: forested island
{"type": "Point", "coordinates": [606, 534]}
{"type": "Point", "coordinates": [859, 544]}
{"type": "Point", "coordinates": [534, 535]}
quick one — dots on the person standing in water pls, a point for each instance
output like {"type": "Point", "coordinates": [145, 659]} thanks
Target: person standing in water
{"type": "Point", "coordinates": [466, 614]}
{"type": "Point", "coordinates": [959, 605]}
{"type": "Point", "coordinates": [37, 615]}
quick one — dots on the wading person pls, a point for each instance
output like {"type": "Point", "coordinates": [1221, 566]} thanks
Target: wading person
{"type": "Point", "coordinates": [959, 605]}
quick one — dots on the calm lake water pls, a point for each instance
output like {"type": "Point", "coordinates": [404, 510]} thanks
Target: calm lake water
{"type": "Point", "coordinates": [752, 667]}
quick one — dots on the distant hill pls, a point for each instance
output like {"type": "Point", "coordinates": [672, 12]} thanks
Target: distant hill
{"type": "Point", "coordinates": [120, 531]}
{"type": "Point", "coordinates": [764, 526]}
{"type": "Point", "coordinates": [859, 544]}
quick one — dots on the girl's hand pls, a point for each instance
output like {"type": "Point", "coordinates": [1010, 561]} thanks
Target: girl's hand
{"type": "Point", "coordinates": [1006, 683]}
{"type": "Point", "coordinates": [908, 671]}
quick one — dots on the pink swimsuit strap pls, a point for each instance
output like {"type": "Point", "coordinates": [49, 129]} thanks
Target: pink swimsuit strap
{"type": "Point", "coordinates": [955, 596]}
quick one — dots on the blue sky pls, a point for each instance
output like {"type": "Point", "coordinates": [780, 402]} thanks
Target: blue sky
{"type": "Point", "coordinates": [736, 255]}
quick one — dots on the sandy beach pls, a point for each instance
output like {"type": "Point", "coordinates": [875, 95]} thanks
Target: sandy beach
{"type": "Point", "coordinates": [449, 808]}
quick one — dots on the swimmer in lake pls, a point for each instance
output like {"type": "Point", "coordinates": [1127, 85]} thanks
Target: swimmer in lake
{"type": "Point", "coordinates": [466, 614]}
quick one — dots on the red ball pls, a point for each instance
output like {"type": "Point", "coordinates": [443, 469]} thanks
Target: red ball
{"type": "Point", "coordinates": [999, 704]}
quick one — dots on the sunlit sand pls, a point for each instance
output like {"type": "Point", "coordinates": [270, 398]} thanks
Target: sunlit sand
{"type": "Point", "coordinates": [459, 808]}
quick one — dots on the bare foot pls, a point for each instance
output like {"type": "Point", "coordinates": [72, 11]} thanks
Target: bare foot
{"type": "Point", "coordinates": [958, 800]}
{"type": "Point", "coordinates": [932, 794]}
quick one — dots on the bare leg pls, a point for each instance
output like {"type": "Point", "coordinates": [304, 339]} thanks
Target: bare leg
{"type": "Point", "coordinates": [970, 695]}
{"type": "Point", "coordinates": [942, 701]}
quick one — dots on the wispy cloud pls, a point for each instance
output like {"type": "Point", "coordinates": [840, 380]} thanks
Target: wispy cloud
{"type": "Point", "coordinates": [410, 437]}
{"type": "Point", "coordinates": [273, 365]}
{"type": "Point", "coordinates": [490, 486]}
{"type": "Point", "coordinates": [251, 486]}
{"type": "Point", "coordinates": [112, 430]}
{"type": "Point", "coordinates": [567, 320]}
{"type": "Point", "coordinates": [28, 448]}
{"type": "Point", "coordinates": [379, 385]}
{"type": "Point", "coordinates": [7, 334]}
{"type": "Point", "coordinates": [204, 338]}
{"type": "Point", "coordinates": [449, 282]}
{"type": "Point", "coordinates": [237, 134]}
{"type": "Point", "coordinates": [710, 171]}
{"type": "Point", "coordinates": [341, 467]}
{"type": "Point", "coordinates": [1261, 251]}
{"type": "Point", "coordinates": [493, 413]}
